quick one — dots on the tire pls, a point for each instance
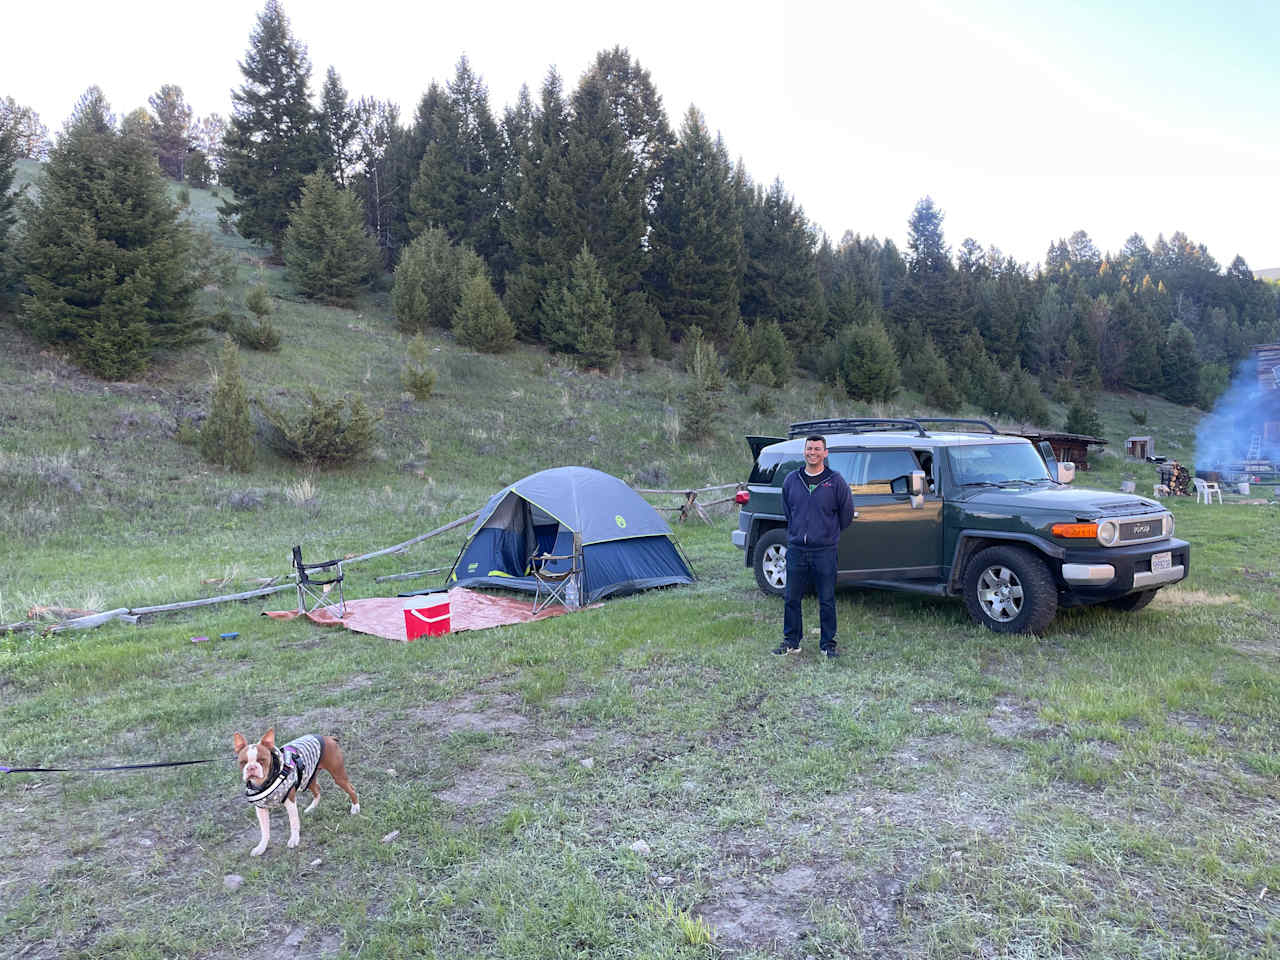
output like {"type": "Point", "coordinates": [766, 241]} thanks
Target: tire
{"type": "Point", "coordinates": [770, 562]}
{"type": "Point", "coordinates": [1010, 590]}
{"type": "Point", "coordinates": [1131, 602]}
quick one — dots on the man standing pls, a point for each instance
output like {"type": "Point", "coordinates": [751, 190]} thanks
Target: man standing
{"type": "Point", "coordinates": [818, 506]}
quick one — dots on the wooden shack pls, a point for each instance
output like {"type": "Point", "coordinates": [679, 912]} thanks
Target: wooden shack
{"type": "Point", "coordinates": [1068, 446]}
{"type": "Point", "coordinates": [1267, 360]}
{"type": "Point", "coordinates": [1139, 448]}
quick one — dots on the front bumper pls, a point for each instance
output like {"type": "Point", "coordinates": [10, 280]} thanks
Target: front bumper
{"type": "Point", "coordinates": [1103, 573]}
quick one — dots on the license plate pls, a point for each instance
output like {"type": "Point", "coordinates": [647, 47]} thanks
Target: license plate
{"type": "Point", "coordinates": [1161, 561]}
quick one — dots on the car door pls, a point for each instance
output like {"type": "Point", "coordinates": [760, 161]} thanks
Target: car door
{"type": "Point", "coordinates": [889, 538]}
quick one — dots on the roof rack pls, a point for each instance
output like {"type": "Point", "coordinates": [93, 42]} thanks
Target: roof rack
{"type": "Point", "coordinates": [979, 423]}
{"type": "Point", "coordinates": [879, 424]}
{"type": "Point", "coordinates": [858, 425]}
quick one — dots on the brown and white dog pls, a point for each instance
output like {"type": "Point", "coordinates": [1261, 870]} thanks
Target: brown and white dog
{"type": "Point", "coordinates": [274, 776]}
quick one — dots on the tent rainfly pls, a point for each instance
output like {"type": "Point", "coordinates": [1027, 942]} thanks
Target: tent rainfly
{"type": "Point", "coordinates": [625, 544]}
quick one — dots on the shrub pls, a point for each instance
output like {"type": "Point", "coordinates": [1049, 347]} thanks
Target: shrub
{"type": "Point", "coordinates": [481, 321]}
{"type": "Point", "coordinates": [227, 435]}
{"type": "Point", "coordinates": [258, 334]}
{"type": "Point", "coordinates": [329, 431]}
{"type": "Point", "coordinates": [1139, 418]}
{"type": "Point", "coordinates": [258, 300]}
{"type": "Point", "coordinates": [427, 290]}
{"type": "Point", "coordinates": [418, 378]}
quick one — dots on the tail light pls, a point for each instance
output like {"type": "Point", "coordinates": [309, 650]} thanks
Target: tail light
{"type": "Point", "coordinates": [742, 496]}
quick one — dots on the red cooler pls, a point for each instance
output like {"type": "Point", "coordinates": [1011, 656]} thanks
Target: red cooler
{"type": "Point", "coordinates": [426, 615]}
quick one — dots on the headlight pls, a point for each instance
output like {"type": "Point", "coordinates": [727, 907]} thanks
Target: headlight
{"type": "Point", "coordinates": [1108, 532]}
{"type": "Point", "coordinates": [1168, 524]}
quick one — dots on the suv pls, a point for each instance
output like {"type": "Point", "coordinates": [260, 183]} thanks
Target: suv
{"type": "Point", "coordinates": [970, 512]}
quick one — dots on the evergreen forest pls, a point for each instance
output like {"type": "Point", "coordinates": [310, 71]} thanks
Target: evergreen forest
{"type": "Point", "coordinates": [583, 217]}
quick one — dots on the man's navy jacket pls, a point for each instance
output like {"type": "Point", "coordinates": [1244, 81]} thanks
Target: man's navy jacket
{"type": "Point", "coordinates": [816, 519]}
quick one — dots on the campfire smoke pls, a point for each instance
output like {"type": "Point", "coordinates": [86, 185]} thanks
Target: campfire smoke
{"type": "Point", "coordinates": [1242, 434]}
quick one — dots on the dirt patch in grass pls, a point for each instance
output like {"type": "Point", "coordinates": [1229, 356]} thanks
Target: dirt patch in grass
{"type": "Point", "coordinates": [1015, 718]}
{"type": "Point", "coordinates": [487, 713]}
{"type": "Point", "coordinates": [1194, 598]}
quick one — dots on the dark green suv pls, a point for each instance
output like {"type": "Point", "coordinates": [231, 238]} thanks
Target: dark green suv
{"type": "Point", "coordinates": [956, 508]}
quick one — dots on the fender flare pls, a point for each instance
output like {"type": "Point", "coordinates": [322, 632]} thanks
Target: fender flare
{"type": "Point", "coordinates": [969, 542]}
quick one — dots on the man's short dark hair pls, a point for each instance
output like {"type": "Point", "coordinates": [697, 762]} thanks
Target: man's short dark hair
{"type": "Point", "coordinates": [816, 436]}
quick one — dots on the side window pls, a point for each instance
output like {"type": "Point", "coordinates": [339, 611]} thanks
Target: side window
{"type": "Point", "coordinates": [850, 464]}
{"type": "Point", "coordinates": [772, 468]}
{"type": "Point", "coordinates": [887, 472]}
{"type": "Point", "coordinates": [926, 464]}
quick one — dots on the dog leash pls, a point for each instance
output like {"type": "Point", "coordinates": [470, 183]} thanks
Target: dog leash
{"type": "Point", "coordinates": [125, 766]}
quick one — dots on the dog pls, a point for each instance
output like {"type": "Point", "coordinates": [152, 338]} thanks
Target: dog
{"type": "Point", "coordinates": [274, 776]}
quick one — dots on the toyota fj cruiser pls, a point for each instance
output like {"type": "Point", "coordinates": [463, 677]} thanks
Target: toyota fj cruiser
{"type": "Point", "coordinates": [962, 510]}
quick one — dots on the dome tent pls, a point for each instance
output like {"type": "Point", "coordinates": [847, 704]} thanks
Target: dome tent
{"type": "Point", "coordinates": [625, 545]}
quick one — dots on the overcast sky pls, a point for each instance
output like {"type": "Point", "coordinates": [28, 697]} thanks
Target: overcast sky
{"type": "Point", "coordinates": [1025, 121]}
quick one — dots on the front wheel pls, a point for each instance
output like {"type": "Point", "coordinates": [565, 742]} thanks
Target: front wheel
{"type": "Point", "coordinates": [1131, 602]}
{"type": "Point", "coordinates": [1010, 590]}
{"type": "Point", "coordinates": [770, 562]}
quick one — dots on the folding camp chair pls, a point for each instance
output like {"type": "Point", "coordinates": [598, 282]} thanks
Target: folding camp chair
{"type": "Point", "coordinates": [308, 587]}
{"type": "Point", "coordinates": [556, 576]}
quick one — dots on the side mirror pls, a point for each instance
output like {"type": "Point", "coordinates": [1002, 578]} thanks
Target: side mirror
{"type": "Point", "coordinates": [1066, 471]}
{"type": "Point", "coordinates": [915, 486]}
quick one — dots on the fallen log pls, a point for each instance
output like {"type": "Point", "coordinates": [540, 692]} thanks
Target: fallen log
{"type": "Point", "coordinates": [189, 604]}
{"type": "Point", "coordinates": [408, 543]}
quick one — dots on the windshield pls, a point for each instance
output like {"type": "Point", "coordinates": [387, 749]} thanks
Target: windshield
{"type": "Point", "coordinates": [997, 463]}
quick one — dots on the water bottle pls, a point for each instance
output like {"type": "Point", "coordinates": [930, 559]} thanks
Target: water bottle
{"type": "Point", "coordinates": [571, 594]}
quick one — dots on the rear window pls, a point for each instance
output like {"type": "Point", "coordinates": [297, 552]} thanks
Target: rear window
{"type": "Point", "coordinates": [773, 467]}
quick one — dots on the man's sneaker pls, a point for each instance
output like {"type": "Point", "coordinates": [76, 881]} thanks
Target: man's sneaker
{"type": "Point", "coordinates": [832, 653]}
{"type": "Point", "coordinates": [784, 648]}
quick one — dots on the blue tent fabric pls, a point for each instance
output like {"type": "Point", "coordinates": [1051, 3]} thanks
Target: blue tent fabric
{"type": "Point", "coordinates": [626, 545]}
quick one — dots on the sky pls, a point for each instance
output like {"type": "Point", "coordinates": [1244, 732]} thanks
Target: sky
{"type": "Point", "coordinates": [1025, 121]}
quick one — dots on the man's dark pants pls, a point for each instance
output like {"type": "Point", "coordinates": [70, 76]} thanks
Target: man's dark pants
{"type": "Point", "coordinates": [810, 567]}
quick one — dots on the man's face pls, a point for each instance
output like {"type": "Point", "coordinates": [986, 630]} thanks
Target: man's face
{"type": "Point", "coordinates": [815, 451]}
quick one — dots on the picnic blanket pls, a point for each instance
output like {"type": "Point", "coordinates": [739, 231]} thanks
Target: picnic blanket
{"type": "Point", "coordinates": [468, 610]}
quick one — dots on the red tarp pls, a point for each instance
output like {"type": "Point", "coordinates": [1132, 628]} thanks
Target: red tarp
{"type": "Point", "coordinates": [468, 610]}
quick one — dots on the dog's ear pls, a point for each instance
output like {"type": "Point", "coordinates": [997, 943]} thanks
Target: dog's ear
{"type": "Point", "coordinates": [269, 738]}
{"type": "Point", "coordinates": [238, 743]}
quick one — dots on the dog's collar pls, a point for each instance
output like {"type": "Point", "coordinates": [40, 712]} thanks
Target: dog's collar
{"type": "Point", "coordinates": [280, 771]}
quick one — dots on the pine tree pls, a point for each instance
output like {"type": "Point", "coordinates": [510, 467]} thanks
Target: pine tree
{"type": "Point", "coordinates": [696, 241]}
{"type": "Point", "coordinates": [868, 367]}
{"type": "Point", "coordinates": [171, 129]}
{"type": "Point", "coordinates": [579, 310]}
{"type": "Point", "coordinates": [227, 435]}
{"type": "Point", "coordinates": [271, 144]}
{"type": "Point", "coordinates": [8, 209]}
{"type": "Point", "coordinates": [928, 373]}
{"type": "Point", "coordinates": [769, 348]}
{"type": "Point", "coordinates": [459, 178]}
{"type": "Point", "coordinates": [741, 359]}
{"type": "Point", "coordinates": [338, 129]}
{"type": "Point", "coordinates": [327, 252]}
{"type": "Point", "coordinates": [539, 228]}
{"type": "Point", "coordinates": [780, 276]}
{"type": "Point", "coordinates": [1181, 366]}
{"type": "Point", "coordinates": [482, 322]}
{"type": "Point", "coordinates": [702, 398]}
{"type": "Point", "coordinates": [107, 258]}
{"type": "Point", "coordinates": [429, 280]}
{"type": "Point", "coordinates": [1082, 418]}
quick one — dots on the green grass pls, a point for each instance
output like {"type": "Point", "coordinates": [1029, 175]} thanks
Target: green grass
{"type": "Point", "coordinates": [1107, 790]}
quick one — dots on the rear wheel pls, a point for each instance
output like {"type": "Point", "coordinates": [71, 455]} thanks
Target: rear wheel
{"type": "Point", "coordinates": [1010, 590]}
{"type": "Point", "coordinates": [770, 562]}
{"type": "Point", "coordinates": [1131, 602]}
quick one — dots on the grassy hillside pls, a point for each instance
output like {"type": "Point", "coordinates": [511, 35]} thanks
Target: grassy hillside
{"type": "Point", "coordinates": [1107, 790]}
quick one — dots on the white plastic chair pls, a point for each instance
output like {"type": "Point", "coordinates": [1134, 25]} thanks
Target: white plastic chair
{"type": "Point", "coordinates": [1205, 490]}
